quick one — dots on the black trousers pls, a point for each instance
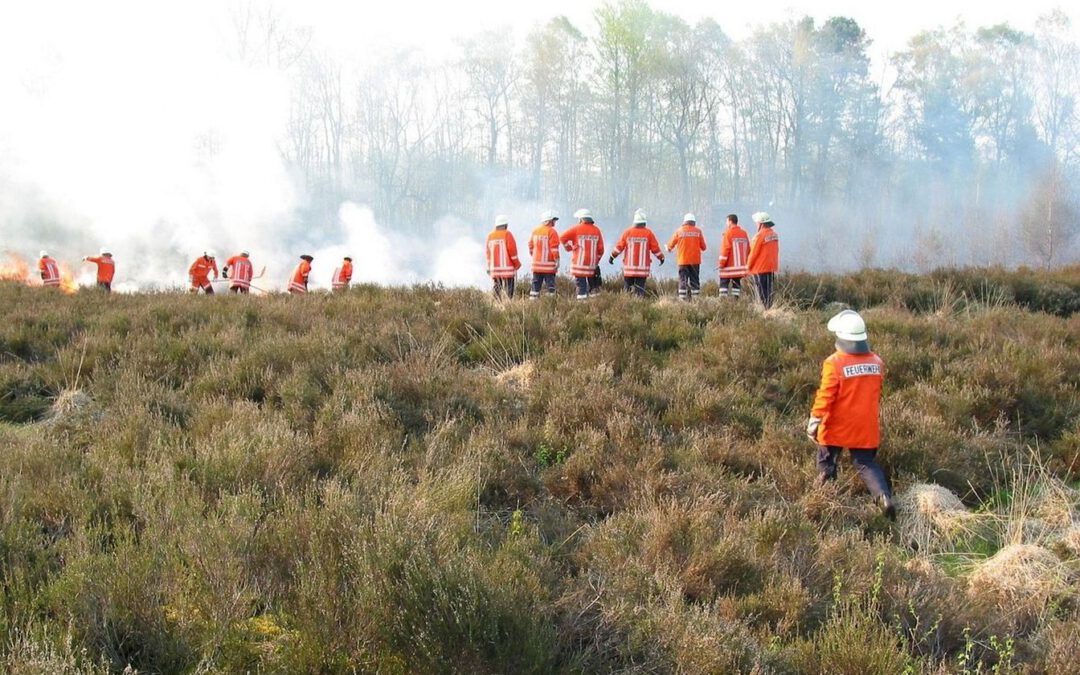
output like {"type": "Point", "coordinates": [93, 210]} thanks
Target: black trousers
{"type": "Point", "coordinates": [105, 286]}
{"type": "Point", "coordinates": [542, 281]}
{"type": "Point", "coordinates": [732, 287]}
{"type": "Point", "coordinates": [503, 287]}
{"type": "Point", "coordinates": [763, 283]}
{"type": "Point", "coordinates": [635, 285]}
{"type": "Point", "coordinates": [596, 282]}
{"type": "Point", "coordinates": [238, 289]}
{"type": "Point", "coordinates": [866, 465]}
{"type": "Point", "coordinates": [582, 284]}
{"type": "Point", "coordinates": [689, 281]}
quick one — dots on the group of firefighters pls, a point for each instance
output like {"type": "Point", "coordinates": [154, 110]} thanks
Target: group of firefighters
{"type": "Point", "coordinates": [740, 257]}
{"type": "Point", "coordinates": [846, 408]}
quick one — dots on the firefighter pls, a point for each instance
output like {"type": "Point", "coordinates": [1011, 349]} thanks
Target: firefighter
{"type": "Point", "coordinates": [242, 272]}
{"type": "Point", "coordinates": [49, 270]}
{"type": "Point", "coordinates": [640, 245]}
{"type": "Point", "coordinates": [846, 411]}
{"type": "Point", "coordinates": [690, 241]}
{"type": "Point", "coordinates": [764, 258]}
{"type": "Point", "coordinates": [586, 244]}
{"type": "Point", "coordinates": [502, 258]}
{"type": "Point", "coordinates": [734, 251]}
{"type": "Point", "coordinates": [544, 250]}
{"type": "Point", "coordinates": [342, 275]}
{"type": "Point", "coordinates": [106, 268]}
{"type": "Point", "coordinates": [199, 273]}
{"type": "Point", "coordinates": [298, 283]}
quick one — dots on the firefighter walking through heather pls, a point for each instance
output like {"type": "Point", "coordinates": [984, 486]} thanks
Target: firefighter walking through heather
{"type": "Point", "coordinates": [502, 258]}
{"type": "Point", "coordinates": [240, 269]}
{"type": "Point", "coordinates": [342, 275]}
{"type": "Point", "coordinates": [298, 282]}
{"type": "Point", "coordinates": [764, 258]}
{"type": "Point", "coordinates": [847, 408]}
{"type": "Point", "coordinates": [106, 269]}
{"type": "Point", "coordinates": [688, 242]}
{"type": "Point", "coordinates": [544, 250]}
{"type": "Point", "coordinates": [49, 270]}
{"type": "Point", "coordinates": [640, 245]}
{"type": "Point", "coordinates": [586, 245]}
{"type": "Point", "coordinates": [199, 273]}
{"type": "Point", "coordinates": [734, 254]}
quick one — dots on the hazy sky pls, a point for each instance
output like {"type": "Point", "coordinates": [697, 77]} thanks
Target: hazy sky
{"type": "Point", "coordinates": [101, 103]}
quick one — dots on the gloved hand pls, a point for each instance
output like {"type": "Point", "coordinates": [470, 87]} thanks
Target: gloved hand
{"type": "Point", "coordinates": [224, 272]}
{"type": "Point", "coordinates": [611, 260]}
{"type": "Point", "coordinates": [661, 260]}
{"type": "Point", "coordinates": [812, 428]}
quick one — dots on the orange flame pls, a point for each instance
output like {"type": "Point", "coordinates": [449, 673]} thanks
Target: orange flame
{"type": "Point", "coordinates": [15, 268]}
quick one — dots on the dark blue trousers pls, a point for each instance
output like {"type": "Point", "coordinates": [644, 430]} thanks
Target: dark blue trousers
{"type": "Point", "coordinates": [865, 461]}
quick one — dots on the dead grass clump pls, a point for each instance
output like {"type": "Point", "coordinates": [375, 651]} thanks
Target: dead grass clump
{"type": "Point", "coordinates": [1069, 542]}
{"type": "Point", "coordinates": [930, 517]}
{"type": "Point", "coordinates": [519, 377]}
{"type": "Point", "coordinates": [70, 403]}
{"type": "Point", "coordinates": [1023, 576]}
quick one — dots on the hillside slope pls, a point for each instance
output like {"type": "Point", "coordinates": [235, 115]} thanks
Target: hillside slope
{"type": "Point", "coordinates": [425, 481]}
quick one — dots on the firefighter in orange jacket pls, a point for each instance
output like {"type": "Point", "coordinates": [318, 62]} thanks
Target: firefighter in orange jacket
{"type": "Point", "coordinates": [502, 258]}
{"type": "Point", "coordinates": [544, 250]}
{"type": "Point", "coordinates": [734, 254]}
{"type": "Point", "coordinates": [49, 270]}
{"type": "Point", "coordinates": [846, 408]}
{"type": "Point", "coordinates": [640, 244]}
{"type": "Point", "coordinates": [690, 242]}
{"type": "Point", "coordinates": [342, 275]}
{"type": "Point", "coordinates": [239, 266]}
{"type": "Point", "coordinates": [298, 282]}
{"type": "Point", "coordinates": [764, 258]}
{"type": "Point", "coordinates": [199, 273]}
{"type": "Point", "coordinates": [586, 245]}
{"type": "Point", "coordinates": [106, 269]}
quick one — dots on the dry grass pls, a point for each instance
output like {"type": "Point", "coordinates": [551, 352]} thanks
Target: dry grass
{"type": "Point", "coordinates": [930, 518]}
{"type": "Point", "coordinates": [1022, 578]}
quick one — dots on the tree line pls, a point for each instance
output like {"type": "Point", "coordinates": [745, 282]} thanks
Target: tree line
{"type": "Point", "coordinates": [965, 152]}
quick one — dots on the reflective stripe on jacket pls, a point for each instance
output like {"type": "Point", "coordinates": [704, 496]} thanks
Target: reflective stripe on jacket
{"type": "Point", "coordinates": [586, 243]}
{"type": "Point", "coordinates": [734, 253]}
{"type": "Point", "coordinates": [502, 255]}
{"type": "Point", "coordinates": [848, 400]}
{"type": "Point", "coordinates": [640, 245]}
{"type": "Point", "coordinates": [240, 271]}
{"type": "Point", "coordinates": [50, 271]}
{"type": "Point", "coordinates": [544, 249]}
{"type": "Point", "coordinates": [299, 281]}
{"type": "Point", "coordinates": [342, 275]}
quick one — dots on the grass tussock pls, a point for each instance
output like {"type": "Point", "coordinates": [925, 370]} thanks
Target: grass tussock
{"type": "Point", "coordinates": [419, 480]}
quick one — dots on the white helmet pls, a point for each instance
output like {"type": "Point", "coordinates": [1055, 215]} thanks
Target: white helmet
{"type": "Point", "coordinates": [583, 213]}
{"type": "Point", "coordinates": [689, 218]}
{"type": "Point", "coordinates": [43, 254]}
{"type": "Point", "coordinates": [548, 215]}
{"type": "Point", "coordinates": [502, 219]}
{"type": "Point", "coordinates": [208, 254]}
{"type": "Point", "coordinates": [245, 253]}
{"type": "Point", "coordinates": [639, 217]}
{"type": "Point", "coordinates": [761, 217]}
{"type": "Point", "coordinates": [848, 325]}
{"type": "Point", "coordinates": [104, 251]}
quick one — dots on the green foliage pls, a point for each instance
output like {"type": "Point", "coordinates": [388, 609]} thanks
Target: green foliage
{"type": "Point", "coordinates": [262, 484]}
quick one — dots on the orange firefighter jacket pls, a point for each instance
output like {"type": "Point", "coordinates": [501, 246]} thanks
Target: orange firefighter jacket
{"type": "Point", "coordinates": [640, 245]}
{"type": "Point", "coordinates": [106, 268]}
{"type": "Point", "coordinates": [764, 251]}
{"type": "Point", "coordinates": [502, 255]}
{"type": "Point", "coordinates": [342, 276]}
{"type": "Point", "coordinates": [50, 271]}
{"type": "Point", "coordinates": [586, 242]}
{"type": "Point", "coordinates": [298, 282]}
{"type": "Point", "coordinates": [200, 271]}
{"type": "Point", "coordinates": [690, 241]}
{"type": "Point", "coordinates": [734, 253]}
{"type": "Point", "coordinates": [544, 249]}
{"type": "Point", "coordinates": [847, 402]}
{"type": "Point", "coordinates": [241, 271]}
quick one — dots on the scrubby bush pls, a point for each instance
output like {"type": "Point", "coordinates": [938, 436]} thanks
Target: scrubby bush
{"type": "Point", "coordinates": [423, 480]}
